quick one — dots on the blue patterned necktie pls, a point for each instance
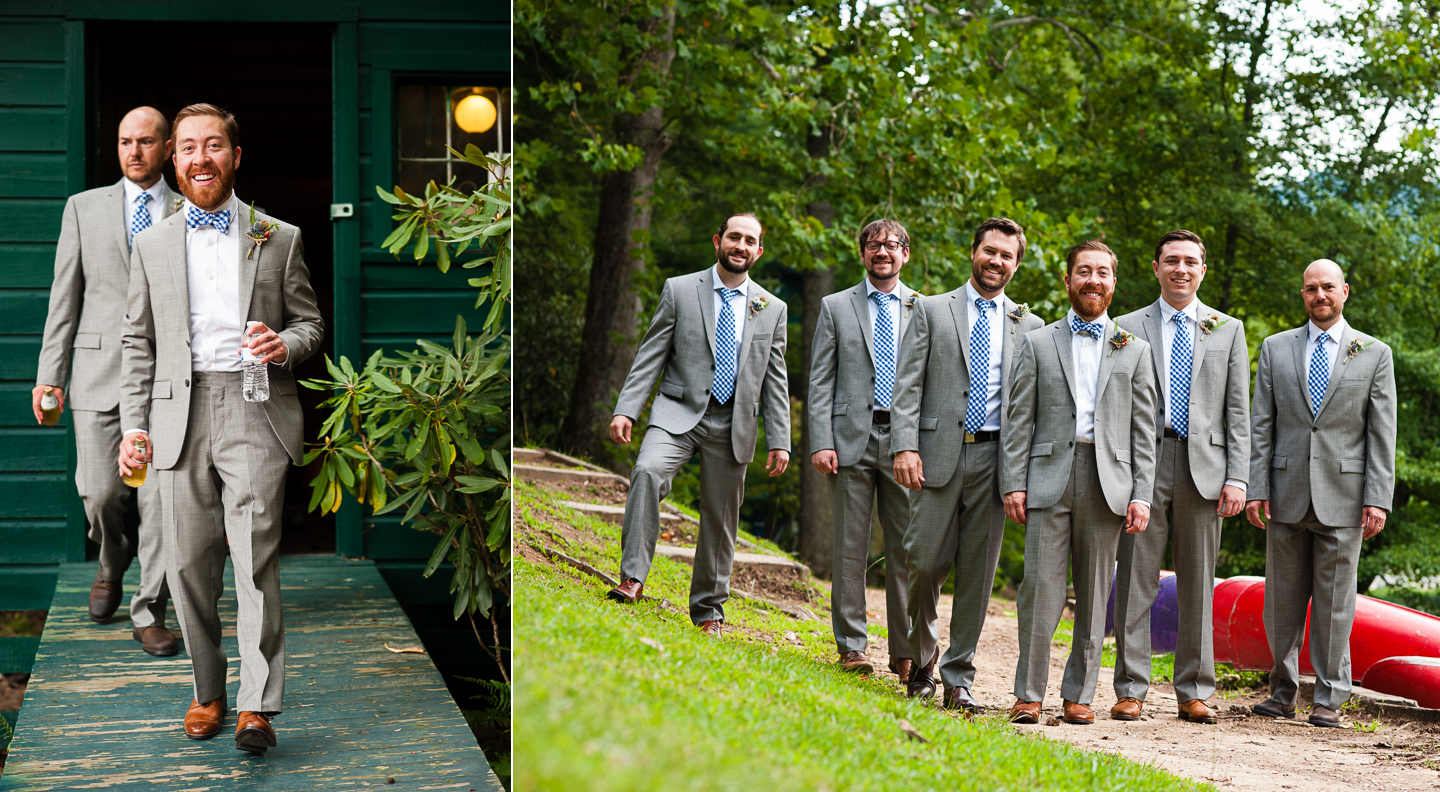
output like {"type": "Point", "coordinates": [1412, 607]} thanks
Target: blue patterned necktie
{"type": "Point", "coordinates": [1093, 329]}
{"type": "Point", "coordinates": [884, 351]}
{"type": "Point", "coordinates": [1180, 363]}
{"type": "Point", "coordinates": [1319, 372]}
{"type": "Point", "coordinates": [726, 349]}
{"type": "Point", "coordinates": [979, 368]}
{"type": "Point", "coordinates": [195, 218]}
{"type": "Point", "coordinates": [141, 220]}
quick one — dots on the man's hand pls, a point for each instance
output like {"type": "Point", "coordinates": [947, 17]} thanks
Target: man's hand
{"type": "Point", "coordinates": [1255, 507]}
{"type": "Point", "coordinates": [620, 429]}
{"type": "Point", "coordinates": [1372, 520]}
{"type": "Point", "coordinates": [825, 461]}
{"type": "Point", "coordinates": [38, 393]}
{"type": "Point", "coordinates": [1232, 500]}
{"type": "Point", "coordinates": [1015, 506]}
{"type": "Point", "coordinates": [909, 471]}
{"type": "Point", "coordinates": [131, 458]}
{"type": "Point", "coordinates": [265, 344]}
{"type": "Point", "coordinates": [777, 462]}
{"type": "Point", "coordinates": [1137, 517]}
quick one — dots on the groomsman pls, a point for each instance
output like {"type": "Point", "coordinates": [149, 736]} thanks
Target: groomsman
{"type": "Point", "coordinates": [80, 363]}
{"type": "Point", "coordinates": [1202, 366]}
{"type": "Point", "coordinates": [717, 345]}
{"type": "Point", "coordinates": [1079, 469]}
{"type": "Point", "coordinates": [220, 461]}
{"type": "Point", "coordinates": [1322, 469]}
{"type": "Point", "coordinates": [951, 401]}
{"type": "Point", "coordinates": [857, 342]}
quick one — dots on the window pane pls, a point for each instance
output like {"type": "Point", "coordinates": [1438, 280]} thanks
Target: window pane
{"type": "Point", "coordinates": [414, 176]}
{"type": "Point", "coordinates": [422, 112]}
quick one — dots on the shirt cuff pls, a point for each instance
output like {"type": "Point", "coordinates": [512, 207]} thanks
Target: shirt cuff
{"type": "Point", "coordinates": [130, 431]}
{"type": "Point", "coordinates": [1235, 483]}
{"type": "Point", "coordinates": [1141, 501]}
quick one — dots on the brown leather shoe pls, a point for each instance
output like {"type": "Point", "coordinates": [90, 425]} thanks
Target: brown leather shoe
{"type": "Point", "coordinates": [1127, 708]}
{"type": "Point", "coordinates": [959, 698]}
{"type": "Point", "coordinates": [1078, 714]}
{"type": "Point", "coordinates": [922, 680]}
{"type": "Point", "coordinates": [202, 721]}
{"type": "Point", "coordinates": [156, 640]}
{"type": "Point", "coordinates": [856, 663]}
{"type": "Point", "coordinates": [1270, 708]}
{"type": "Point", "coordinates": [254, 733]}
{"type": "Point", "coordinates": [104, 599]}
{"type": "Point", "coordinates": [1025, 712]}
{"type": "Point", "coordinates": [1322, 716]}
{"type": "Point", "coordinates": [628, 592]}
{"type": "Point", "coordinates": [1196, 711]}
{"type": "Point", "coordinates": [711, 628]}
{"type": "Point", "coordinates": [901, 668]}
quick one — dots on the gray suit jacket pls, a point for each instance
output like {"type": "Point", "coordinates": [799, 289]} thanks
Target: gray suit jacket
{"type": "Point", "coordinates": [156, 361]}
{"type": "Point", "coordinates": [87, 299]}
{"type": "Point", "coordinates": [933, 380]}
{"type": "Point", "coordinates": [681, 342]}
{"type": "Point", "coordinates": [1219, 418]}
{"type": "Point", "coordinates": [842, 372]}
{"type": "Point", "coordinates": [1341, 459]}
{"type": "Point", "coordinates": [1040, 444]}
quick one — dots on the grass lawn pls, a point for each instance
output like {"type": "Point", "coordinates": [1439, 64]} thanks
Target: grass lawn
{"type": "Point", "coordinates": [635, 698]}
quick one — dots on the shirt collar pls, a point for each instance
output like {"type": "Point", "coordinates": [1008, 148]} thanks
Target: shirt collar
{"type": "Point", "coordinates": [716, 283]}
{"type": "Point", "coordinates": [1336, 331]}
{"type": "Point", "coordinates": [898, 292]}
{"type": "Point", "coordinates": [971, 296]}
{"type": "Point", "coordinates": [230, 204]}
{"type": "Point", "coordinates": [133, 190]}
{"type": "Point", "coordinates": [1191, 311]}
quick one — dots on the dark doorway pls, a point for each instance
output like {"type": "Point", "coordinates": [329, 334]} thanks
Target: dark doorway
{"type": "Point", "coordinates": [277, 81]}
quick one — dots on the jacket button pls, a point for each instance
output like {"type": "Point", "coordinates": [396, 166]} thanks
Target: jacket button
{"type": "Point", "coordinates": [1072, 415]}
{"type": "Point", "coordinates": [966, 394]}
{"type": "Point", "coordinates": [1314, 429]}
{"type": "Point", "coordinates": [707, 390]}
{"type": "Point", "coordinates": [187, 383]}
{"type": "Point", "coordinates": [1072, 443]}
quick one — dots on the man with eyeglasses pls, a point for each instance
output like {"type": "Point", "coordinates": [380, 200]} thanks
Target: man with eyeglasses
{"type": "Point", "coordinates": [949, 415]}
{"type": "Point", "coordinates": [852, 379]}
{"type": "Point", "coordinates": [1322, 470]}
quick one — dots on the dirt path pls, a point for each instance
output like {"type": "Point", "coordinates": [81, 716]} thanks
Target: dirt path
{"type": "Point", "coordinates": [1239, 753]}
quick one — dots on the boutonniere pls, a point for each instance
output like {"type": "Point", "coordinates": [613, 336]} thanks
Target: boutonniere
{"type": "Point", "coordinates": [1021, 311]}
{"type": "Point", "coordinates": [179, 204]}
{"type": "Point", "coordinates": [259, 232]}
{"type": "Point", "coordinates": [757, 305]}
{"type": "Point", "coordinates": [1355, 348]}
{"type": "Point", "coordinates": [910, 302]}
{"type": "Point", "coordinates": [1120, 339]}
{"type": "Point", "coordinates": [1207, 326]}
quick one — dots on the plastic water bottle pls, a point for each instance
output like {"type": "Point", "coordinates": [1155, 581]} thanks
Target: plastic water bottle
{"type": "Point", "coordinates": [256, 384]}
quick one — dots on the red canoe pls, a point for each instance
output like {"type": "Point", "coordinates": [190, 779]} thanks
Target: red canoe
{"type": "Point", "coordinates": [1382, 630]}
{"type": "Point", "coordinates": [1412, 677]}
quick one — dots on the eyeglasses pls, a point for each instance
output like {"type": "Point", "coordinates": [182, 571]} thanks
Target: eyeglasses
{"type": "Point", "coordinates": [874, 247]}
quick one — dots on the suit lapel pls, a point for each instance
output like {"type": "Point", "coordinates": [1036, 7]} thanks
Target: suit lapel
{"type": "Point", "coordinates": [1155, 337]}
{"type": "Point", "coordinates": [1067, 362]}
{"type": "Point", "coordinates": [1107, 360]}
{"type": "Point", "coordinates": [1345, 339]}
{"type": "Point", "coordinates": [1197, 348]}
{"type": "Point", "coordinates": [122, 231]}
{"type": "Point", "coordinates": [169, 204]}
{"type": "Point", "coordinates": [958, 310]}
{"type": "Point", "coordinates": [248, 267]}
{"type": "Point", "coordinates": [707, 306]}
{"type": "Point", "coordinates": [175, 252]}
{"type": "Point", "coordinates": [1007, 347]}
{"type": "Point", "coordinates": [858, 299]}
{"type": "Point", "coordinates": [1302, 372]}
{"type": "Point", "coordinates": [747, 325]}
{"type": "Point", "coordinates": [904, 312]}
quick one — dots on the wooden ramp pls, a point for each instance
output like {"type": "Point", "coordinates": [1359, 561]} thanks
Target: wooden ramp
{"type": "Point", "coordinates": [101, 714]}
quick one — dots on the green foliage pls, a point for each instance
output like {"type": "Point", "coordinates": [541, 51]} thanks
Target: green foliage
{"type": "Point", "coordinates": [1421, 599]}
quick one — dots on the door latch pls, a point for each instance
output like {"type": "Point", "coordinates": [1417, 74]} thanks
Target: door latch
{"type": "Point", "coordinates": [342, 210]}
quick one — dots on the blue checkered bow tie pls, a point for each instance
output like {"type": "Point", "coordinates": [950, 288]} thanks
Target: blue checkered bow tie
{"type": "Point", "coordinates": [1093, 329]}
{"type": "Point", "coordinates": [195, 218]}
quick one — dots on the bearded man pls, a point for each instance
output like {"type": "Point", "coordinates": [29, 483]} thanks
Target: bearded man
{"type": "Point", "coordinates": [196, 280]}
{"type": "Point", "coordinates": [92, 274]}
{"type": "Point", "coordinates": [1079, 470]}
{"type": "Point", "coordinates": [717, 346]}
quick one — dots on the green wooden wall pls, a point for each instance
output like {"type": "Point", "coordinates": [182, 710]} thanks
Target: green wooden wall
{"type": "Point", "coordinates": [379, 303]}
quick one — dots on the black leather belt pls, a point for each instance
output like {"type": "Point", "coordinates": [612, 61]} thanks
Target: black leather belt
{"type": "Point", "coordinates": [880, 416]}
{"type": "Point", "coordinates": [982, 437]}
{"type": "Point", "coordinates": [1173, 435]}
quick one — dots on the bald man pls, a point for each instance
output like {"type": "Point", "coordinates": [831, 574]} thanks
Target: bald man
{"type": "Point", "coordinates": [1322, 472]}
{"type": "Point", "coordinates": [80, 365]}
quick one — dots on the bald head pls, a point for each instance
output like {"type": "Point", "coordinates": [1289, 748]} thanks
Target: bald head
{"type": "Point", "coordinates": [144, 145]}
{"type": "Point", "coordinates": [1325, 292]}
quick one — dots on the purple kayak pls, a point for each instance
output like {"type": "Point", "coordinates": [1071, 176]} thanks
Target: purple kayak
{"type": "Point", "coordinates": [1164, 615]}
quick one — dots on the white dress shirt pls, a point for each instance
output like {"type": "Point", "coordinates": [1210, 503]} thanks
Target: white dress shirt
{"type": "Point", "coordinates": [212, 263]}
{"type": "Point", "coordinates": [1332, 348]}
{"type": "Point", "coordinates": [153, 206]}
{"type": "Point", "coordinates": [737, 307]}
{"type": "Point", "coordinates": [1085, 353]}
{"type": "Point", "coordinates": [1167, 336]}
{"type": "Point", "coordinates": [997, 339]}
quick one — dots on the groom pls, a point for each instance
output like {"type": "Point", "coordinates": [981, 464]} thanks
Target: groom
{"type": "Point", "coordinates": [196, 278]}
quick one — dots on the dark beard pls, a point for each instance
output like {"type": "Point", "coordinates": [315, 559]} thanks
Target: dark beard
{"type": "Point", "coordinates": [211, 197]}
{"type": "Point", "coordinates": [724, 261]}
{"type": "Point", "coordinates": [873, 276]}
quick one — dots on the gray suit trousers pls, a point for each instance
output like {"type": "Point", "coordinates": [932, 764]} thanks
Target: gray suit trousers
{"type": "Point", "coordinates": [229, 483]}
{"type": "Point", "coordinates": [97, 441]}
{"type": "Point", "coordinates": [1307, 563]}
{"type": "Point", "coordinates": [854, 491]}
{"type": "Point", "coordinates": [1181, 515]}
{"type": "Point", "coordinates": [1082, 532]}
{"type": "Point", "coordinates": [722, 488]}
{"type": "Point", "coordinates": [961, 526]}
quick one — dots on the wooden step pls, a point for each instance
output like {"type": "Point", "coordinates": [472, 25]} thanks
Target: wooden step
{"type": "Point", "coordinates": [687, 554]}
{"type": "Point", "coordinates": [613, 514]}
{"type": "Point", "coordinates": [565, 475]}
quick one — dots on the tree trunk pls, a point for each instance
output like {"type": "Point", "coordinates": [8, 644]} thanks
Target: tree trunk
{"type": "Point", "coordinates": [817, 531]}
{"type": "Point", "coordinates": [611, 334]}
